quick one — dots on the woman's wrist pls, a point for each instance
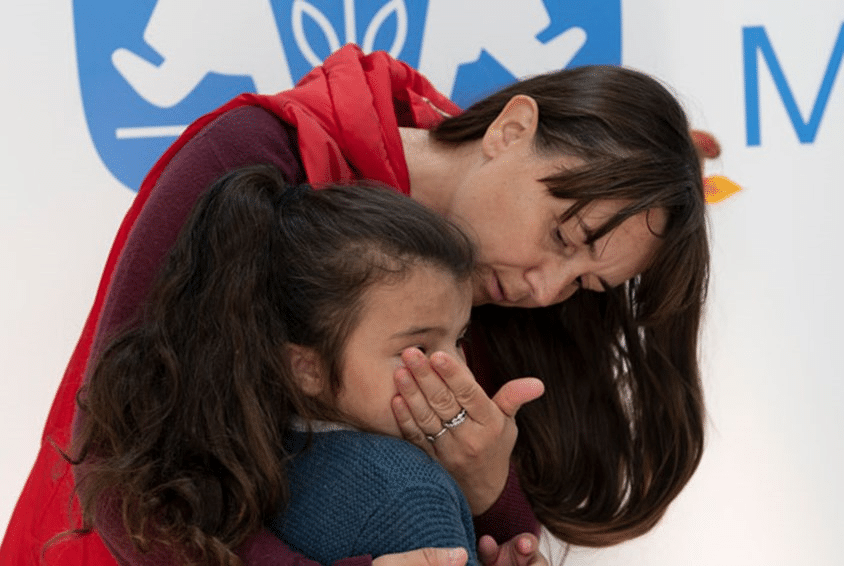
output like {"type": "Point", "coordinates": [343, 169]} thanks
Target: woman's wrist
{"type": "Point", "coordinates": [510, 514]}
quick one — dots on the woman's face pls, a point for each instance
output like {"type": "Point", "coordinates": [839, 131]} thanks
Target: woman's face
{"type": "Point", "coordinates": [528, 257]}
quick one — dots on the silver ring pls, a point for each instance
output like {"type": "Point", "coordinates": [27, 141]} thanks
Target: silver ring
{"type": "Point", "coordinates": [457, 420]}
{"type": "Point", "coordinates": [432, 438]}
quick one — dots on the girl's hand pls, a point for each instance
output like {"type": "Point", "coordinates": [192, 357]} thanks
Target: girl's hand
{"type": "Point", "coordinates": [522, 550]}
{"type": "Point", "coordinates": [475, 450]}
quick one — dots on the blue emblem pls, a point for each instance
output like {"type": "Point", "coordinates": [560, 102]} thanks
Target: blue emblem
{"type": "Point", "coordinates": [148, 68]}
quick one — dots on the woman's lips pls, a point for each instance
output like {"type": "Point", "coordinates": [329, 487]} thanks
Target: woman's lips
{"type": "Point", "coordinates": [495, 290]}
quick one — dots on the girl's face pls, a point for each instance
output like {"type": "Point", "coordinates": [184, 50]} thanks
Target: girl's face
{"type": "Point", "coordinates": [427, 309]}
{"type": "Point", "coordinates": [527, 256]}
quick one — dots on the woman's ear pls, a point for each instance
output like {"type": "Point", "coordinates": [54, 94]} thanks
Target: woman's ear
{"type": "Point", "coordinates": [515, 123]}
{"type": "Point", "coordinates": [307, 369]}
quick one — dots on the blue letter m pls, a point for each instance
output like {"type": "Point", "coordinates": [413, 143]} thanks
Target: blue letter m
{"type": "Point", "coordinates": [755, 39]}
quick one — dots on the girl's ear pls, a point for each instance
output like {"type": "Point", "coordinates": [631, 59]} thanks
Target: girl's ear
{"type": "Point", "coordinates": [517, 122]}
{"type": "Point", "coordinates": [307, 369]}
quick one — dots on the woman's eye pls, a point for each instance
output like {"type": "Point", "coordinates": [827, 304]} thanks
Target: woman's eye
{"type": "Point", "coordinates": [422, 349]}
{"type": "Point", "coordinates": [558, 233]}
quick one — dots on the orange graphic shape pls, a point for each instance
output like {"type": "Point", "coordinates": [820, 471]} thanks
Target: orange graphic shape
{"type": "Point", "coordinates": [717, 187]}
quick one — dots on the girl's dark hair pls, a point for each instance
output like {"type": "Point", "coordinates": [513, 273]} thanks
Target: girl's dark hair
{"type": "Point", "coordinates": [620, 429]}
{"type": "Point", "coordinates": [183, 417]}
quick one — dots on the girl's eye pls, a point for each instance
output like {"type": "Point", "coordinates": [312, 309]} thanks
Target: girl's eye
{"type": "Point", "coordinates": [421, 349]}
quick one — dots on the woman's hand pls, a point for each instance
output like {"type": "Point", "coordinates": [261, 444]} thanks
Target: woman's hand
{"type": "Point", "coordinates": [425, 557]}
{"type": "Point", "coordinates": [522, 550]}
{"type": "Point", "coordinates": [476, 449]}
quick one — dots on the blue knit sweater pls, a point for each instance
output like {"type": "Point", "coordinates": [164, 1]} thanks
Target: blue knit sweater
{"type": "Point", "coordinates": [355, 493]}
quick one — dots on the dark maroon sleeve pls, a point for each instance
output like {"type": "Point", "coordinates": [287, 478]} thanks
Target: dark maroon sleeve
{"type": "Point", "coordinates": [243, 136]}
{"type": "Point", "coordinates": [261, 549]}
{"type": "Point", "coordinates": [510, 515]}
{"type": "Point", "coordinates": [264, 549]}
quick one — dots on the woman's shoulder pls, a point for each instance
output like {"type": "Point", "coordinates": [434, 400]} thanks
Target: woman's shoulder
{"type": "Point", "coordinates": [249, 135]}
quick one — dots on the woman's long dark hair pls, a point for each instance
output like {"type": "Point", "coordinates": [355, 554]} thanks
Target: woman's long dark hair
{"type": "Point", "coordinates": [620, 429]}
{"type": "Point", "coordinates": [181, 421]}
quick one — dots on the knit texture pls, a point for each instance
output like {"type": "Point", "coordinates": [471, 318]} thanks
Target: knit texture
{"type": "Point", "coordinates": [356, 493]}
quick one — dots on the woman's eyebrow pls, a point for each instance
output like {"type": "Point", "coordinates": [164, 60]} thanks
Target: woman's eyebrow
{"type": "Point", "coordinates": [589, 232]}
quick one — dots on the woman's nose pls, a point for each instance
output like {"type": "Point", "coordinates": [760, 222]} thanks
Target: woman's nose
{"type": "Point", "coordinates": [551, 283]}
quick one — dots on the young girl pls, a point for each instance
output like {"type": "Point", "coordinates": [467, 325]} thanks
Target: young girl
{"type": "Point", "coordinates": [268, 344]}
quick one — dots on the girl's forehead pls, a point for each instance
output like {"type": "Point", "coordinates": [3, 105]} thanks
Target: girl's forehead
{"type": "Point", "coordinates": [422, 274]}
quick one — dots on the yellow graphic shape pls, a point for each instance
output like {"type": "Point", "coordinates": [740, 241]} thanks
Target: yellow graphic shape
{"type": "Point", "coordinates": [717, 187]}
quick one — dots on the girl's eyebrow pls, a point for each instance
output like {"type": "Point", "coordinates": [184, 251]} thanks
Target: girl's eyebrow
{"type": "Point", "coordinates": [415, 330]}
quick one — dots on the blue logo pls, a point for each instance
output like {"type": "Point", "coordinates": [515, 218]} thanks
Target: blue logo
{"type": "Point", "coordinates": [148, 68]}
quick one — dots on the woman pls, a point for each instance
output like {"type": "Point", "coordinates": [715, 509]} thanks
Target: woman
{"type": "Point", "coordinates": [583, 192]}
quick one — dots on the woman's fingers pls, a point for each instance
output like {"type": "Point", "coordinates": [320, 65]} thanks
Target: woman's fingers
{"type": "Point", "coordinates": [410, 431]}
{"type": "Point", "coordinates": [521, 550]}
{"type": "Point", "coordinates": [487, 550]}
{"type": "Point", "coordinates": [465, 391]}
{"type": "Point", "coordinates": [427, 419]}
{"type": "Point", "coordinates": [444, 411]}
{"type": "Point", "coordinates": [439, 396]}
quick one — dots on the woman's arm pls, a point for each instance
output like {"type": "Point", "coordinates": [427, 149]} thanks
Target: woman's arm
{"type": "Point", "coordinates": [263, 550]}
{"type": "Point", "coordinates": [243, 136]}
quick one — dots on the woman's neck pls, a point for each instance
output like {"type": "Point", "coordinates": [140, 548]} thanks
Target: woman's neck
{"type": "Point", "coordinates": [436, 170]}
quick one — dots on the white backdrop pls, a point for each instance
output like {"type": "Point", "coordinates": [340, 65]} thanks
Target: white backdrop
{"type": "Point", "coordinates": [768, 490]}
